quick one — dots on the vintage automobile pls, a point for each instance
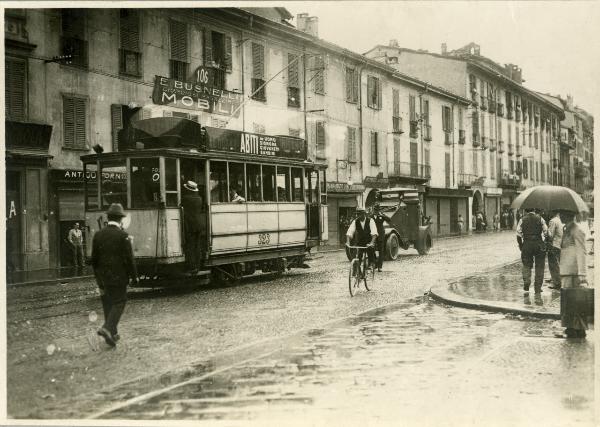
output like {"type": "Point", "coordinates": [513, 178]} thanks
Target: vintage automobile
{"type": "Point", "coordinates": [407, 228]}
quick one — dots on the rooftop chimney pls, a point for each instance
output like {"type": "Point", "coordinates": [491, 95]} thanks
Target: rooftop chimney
{"type": "Point", "coordinates": [393, 43]}
{"type": "Point", "coordinates": [444, 48]}
{"type": "Point", "coordinates": [570, 102]}
{"type": "Point", "coordinates": [308, 24]}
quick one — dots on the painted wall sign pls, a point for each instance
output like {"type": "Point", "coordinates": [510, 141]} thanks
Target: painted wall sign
{"type": "Point", "coordinates": [195, 96]}
{"type": "Point", "coordinates": [343, 187]}
{"type": "Point", "coordinates": [73, 175]}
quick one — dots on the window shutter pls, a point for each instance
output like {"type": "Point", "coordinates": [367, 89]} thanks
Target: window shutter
{"type": "Point", "coordinates": [73, 23]}
{"type": "Point", "coordinates": [349, 85]}
{"type": "Point", "coordinates": [411, 106]}
{"type": "Point", "coordinates": [16, 74]}
{"type": "Point", "coordinates": [179, 40]}
{"type": "Point", "coordinates": [374, 151]}
{"type": "Point", "coordinates": [319, 74]}
{"type": "Point", "coordinates": [444, 119]}
{"type": "Point", "coordinates": [80, 122]}
{"type": "Point", "coordinates": [293, 78]}
{"type": "Point", "coordinates": [228, 55]}
{"type": "Point", "coordinates": [258, 61]}
{"type": "Point", "coordinates": [207, 39]}
{"type": "Point", "coordinates": [116, 114]}
{"type": "Point", "coordinates": [351, 144]}
{"type": "Point", "coordinates": [396, 103]}
{"type": "Point", "coordinates": [355, 85]}
{"type": "Point", "coordinates": [69, 121]}
{"type": "Point", "coordinates": [370, 90]}
{"type": "Point", "coordinates": [129, 30]}
{"type": "Point", "coordinates": [379, 94]}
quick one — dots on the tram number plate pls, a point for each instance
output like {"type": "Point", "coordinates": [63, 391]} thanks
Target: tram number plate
{"type": "Point", "coordinates": [264, 238]}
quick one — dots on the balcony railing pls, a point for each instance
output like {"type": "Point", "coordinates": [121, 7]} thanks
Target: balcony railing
{"type": "Point", "coordinates": [509, 113]}
{"type": "Point", "coordinates": [492, 105]}
{"type": "Point", "coordinates": [483, 102]}
{"type": "Point", "coordinates": [484, 142]}
{"type": "Point", "coordinates": [466, 179]}
{"type": "Point", "coordinates": [510, 180]}
{"type": "Point", "coordinates": [476, 141]}
{"type": "Point", "coordinates": [500, 147]}
{"type": "Point", "coordinates": [519, 153]}
{"type": "Point", "coordinates": [511, 149]}
{"type": "Point", "coordinates": [518, 115]}
{"type": "Point", "coordinates": [447, 137]}
{"type": "Point", "coordinates": [414, 128]}
{"type": "Point", "coordinates": [411, 170]}
{"type": "Point", "coordinates": [493, 146]}
{"type": "Point", "coordinates": [427, 132]}
{"type": "Point", "coordinates": [397, 124]}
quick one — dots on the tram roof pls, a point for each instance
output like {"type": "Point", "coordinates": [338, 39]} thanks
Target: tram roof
{"type": "Point", "coordinates": [194, 154]}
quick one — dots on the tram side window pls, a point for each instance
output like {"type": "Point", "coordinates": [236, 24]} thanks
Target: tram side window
{"type": "Point", "coordinates": [236, 179]}
{"type": "Point", "coordinates": [283, 184]}
{"type": "Point", "coordinates": [113, 184]}
{"type": "Point", "coordinates": [218, 182]}
{"type": "Point", "coordinates": [91, 186]}
{"type": "Point", "coordinates": [297, 185]}
{"type": "Point", "coordinates": [145, 183]}
{"type": "Point", "coordinates": [171, 182]}
{"type": "Point", "coordinates": [253, 179]}
{"type": "Point", "coordinates": [268, 183]}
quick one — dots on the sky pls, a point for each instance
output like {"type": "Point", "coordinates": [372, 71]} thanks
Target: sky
{"type": "Point", "coordinates": [557, 43]}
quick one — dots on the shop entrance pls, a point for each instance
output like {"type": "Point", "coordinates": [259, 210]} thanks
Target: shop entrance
{"type": "Point", "coordinates": [13, 221]}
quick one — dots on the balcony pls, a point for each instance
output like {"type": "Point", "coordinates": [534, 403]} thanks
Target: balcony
{"type": "Point", "coordinates": [509, 113]}
{"type": "Point", "coordinates": [447, 137]}
{"type": "Point", "coordinates": [500, 110]}
{"type": "Point", "coordinates": [411, 170]}
{"type": "Point", "coordinates": [397, 125]}
{"type": "Point", "coordinates": [414, 129]}
{"type": "Point", "coordinates": [483, 102]}
{"type": "Point", "coordinates": [427, 132]}
{"type": "Point", "coordinates": [511, 181]}
{"type": "Point", "coordinates": [491, 105]}
{"type": "Point", "coordinates": [493, 146]}
{"type": "Point", "coordinates": [484, 142]}
{"type": "Point", "coordinates": [518, 115]}
{"type": "Point", "coordinates": [461, 137]}
{"type": "Point", "coordinates": [511, 149]}
{"type": "Point", "coordinates": [476, 142]}
{"type": "Point", "coordinates": [519, 153]}
{"type": "Point", "coordinates": [466, 180]}
{"type": "Point", "coordinates": [500, 147]}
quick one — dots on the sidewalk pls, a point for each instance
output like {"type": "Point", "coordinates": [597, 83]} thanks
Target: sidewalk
{"type": "Point", "coordinates": [47, 276]}
{"type": "Point", "coordinates": [501, 290]}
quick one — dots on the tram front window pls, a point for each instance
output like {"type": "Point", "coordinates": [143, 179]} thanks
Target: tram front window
{"type": "Point", "coordinates": [113, 185]}
{"type": "Point", "coordinates": [145, 183]}
{"type": "Point", "coordinates": [268, 173]}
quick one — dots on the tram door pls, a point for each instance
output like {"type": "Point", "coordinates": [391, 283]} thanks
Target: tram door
{"type": "Point", "coordinates": [313, 219]}
{"type": "Point", "coordinates": [195, 170]}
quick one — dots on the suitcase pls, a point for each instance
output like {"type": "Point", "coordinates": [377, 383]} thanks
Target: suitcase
{"type": "Point", "coordinates": [577, 301]}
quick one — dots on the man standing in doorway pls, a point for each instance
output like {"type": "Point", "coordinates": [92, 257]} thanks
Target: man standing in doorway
{"type": "Point", "coordinates": [379, 218]}
{"type": "Point", "coordinates": [112, 259]}
{"type": "Point", "coordinates": [75, 238]}
{"type": "Point", "coordinates": [531, 230]}
{"type": "Point", "coordinates": [555, 234]}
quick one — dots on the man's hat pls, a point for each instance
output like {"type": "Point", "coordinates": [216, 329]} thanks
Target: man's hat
{"type": "Point", "coordinates": [191, 185]}
{"type": "Point", "coordinates": [360, 209]}
{"type": "Point", "coordinates": [116, 209]}
{"type": "Point", "coordinates": [76, 223]}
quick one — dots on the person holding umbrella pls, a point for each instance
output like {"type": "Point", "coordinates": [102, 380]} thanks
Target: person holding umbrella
{"type": "Point", "coordinates": [573, 273]}
{"type": "Point", "coordinates": [530, 236]}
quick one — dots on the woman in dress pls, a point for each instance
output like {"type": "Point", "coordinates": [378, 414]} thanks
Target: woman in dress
{"type": "Point", "coordinates": [573, 272]}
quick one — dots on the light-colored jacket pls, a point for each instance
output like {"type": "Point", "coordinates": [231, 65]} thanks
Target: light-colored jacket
{"type": "Point", "coordinates": [555, 231]}
{"type": "Point", "coordinates": [573, 252]}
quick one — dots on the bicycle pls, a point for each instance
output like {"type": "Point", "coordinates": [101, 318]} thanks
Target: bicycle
{"type": "Point", "coordinates": [358, 270]}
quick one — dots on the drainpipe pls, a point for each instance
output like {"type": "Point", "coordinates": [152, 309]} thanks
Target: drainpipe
{"type": "Point", "coordinates": [242, 66]}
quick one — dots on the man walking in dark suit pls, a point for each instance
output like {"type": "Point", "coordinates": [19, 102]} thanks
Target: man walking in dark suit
{"type": "Point", "coordinates": [193, 225]}
{"type": "Point", "coordinates": [531, 231]}
{"type": "Point", "coordinates": [112, 259]}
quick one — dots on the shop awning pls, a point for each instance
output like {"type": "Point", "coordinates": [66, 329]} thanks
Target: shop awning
{"type": "Point", "coordinates": [27, 139]}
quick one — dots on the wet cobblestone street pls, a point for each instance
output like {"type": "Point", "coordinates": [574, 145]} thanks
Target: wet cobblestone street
{"type": "Point", "coordinates": [297, 345]}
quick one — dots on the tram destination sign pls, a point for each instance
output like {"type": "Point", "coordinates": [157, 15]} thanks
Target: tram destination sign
{"type": "Point", "coordinates": [195, 96]}
{"type": "Point", "coordinates": [233, 141]}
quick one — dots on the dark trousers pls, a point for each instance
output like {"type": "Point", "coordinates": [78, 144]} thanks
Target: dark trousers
{"type": "Point", "coordinates": [77, 256]}
{"type": "Point", "coordinates": [192, 250]}
{"type": "Point", "coordinates": [553, 264]}
{"type": "Point", "coordinates": [113, 305]}
{"type": "Point", "coordinates": [533, 252]}
{"type": "Point", "coordinates": [380, 244]}
{"type": "Point", "coordinates": [370, 254]}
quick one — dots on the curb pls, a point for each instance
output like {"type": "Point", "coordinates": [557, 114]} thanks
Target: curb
{"type": "Point", "coordinates": [49, 281]}
{"type": "Point", "coordinates": [442, 294]}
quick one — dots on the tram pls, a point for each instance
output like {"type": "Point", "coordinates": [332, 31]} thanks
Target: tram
{"type": "Point", "coordinates": [283, 214]}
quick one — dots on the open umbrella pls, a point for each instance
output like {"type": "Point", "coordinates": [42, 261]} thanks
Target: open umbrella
{"type": "Point", "coordinates": [550, 197]}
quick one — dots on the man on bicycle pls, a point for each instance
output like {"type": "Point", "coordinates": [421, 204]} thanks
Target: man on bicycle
{"type": "Point", "coordinates": [363, 232]}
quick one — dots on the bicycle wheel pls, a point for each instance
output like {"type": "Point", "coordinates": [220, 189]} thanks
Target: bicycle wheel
{"type": "Point", "coordinates": [353, 276]}
{"type": "Point", "coordinates": [371, 274]}
{"type": "Point", "coordinates": [365, 271]}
